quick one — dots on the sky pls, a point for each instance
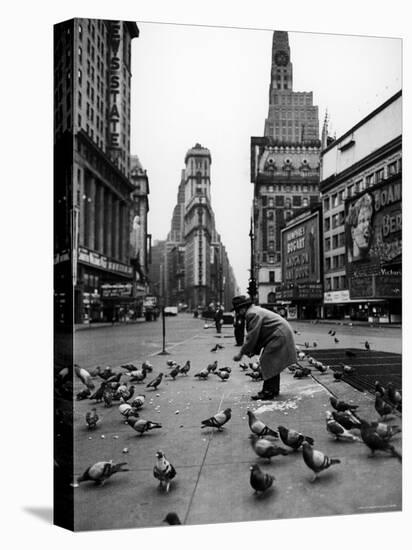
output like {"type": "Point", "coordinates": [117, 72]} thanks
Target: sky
{"type": "Point", "coordinates": [210, 85]}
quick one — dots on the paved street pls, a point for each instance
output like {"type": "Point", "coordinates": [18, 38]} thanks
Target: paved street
{"type": "Point", "coordinates": [212, 481]}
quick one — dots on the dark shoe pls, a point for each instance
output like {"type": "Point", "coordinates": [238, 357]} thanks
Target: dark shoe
{"type": "Point", "coordinates": [264, 396]}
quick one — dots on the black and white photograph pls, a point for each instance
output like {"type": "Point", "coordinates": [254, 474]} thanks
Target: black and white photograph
{"type": "Point", "coordinates": [228, 261]}
{"type": "Point", "coordinates": [206, 312]}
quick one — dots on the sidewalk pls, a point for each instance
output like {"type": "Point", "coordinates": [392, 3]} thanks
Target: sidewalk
{"type": "Point", "coordinates": [212, 481]}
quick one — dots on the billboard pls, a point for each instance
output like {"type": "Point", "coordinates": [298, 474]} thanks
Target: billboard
{"type": "Point", "coordinates": [373, 228]}
{"type": "Point", "coordinates": [301, 269]}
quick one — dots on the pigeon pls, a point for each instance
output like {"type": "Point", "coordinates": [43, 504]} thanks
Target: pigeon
{"type": "Point", "coordinates": [323, 369]}
{"type": "Point", "coordinates": [336, 429]}
{"type": "Point", "coordinates": [381, 407]}
{"type": "Point", "coordinates": [296, 332]}
{"type": "Point", "coordinates": [84, 376]}
{"type": "Point", "coordinates": [129, 367]}
{"type": "Point", "coordinates": [107, 397]}
{"type": "Point", "coordinates": [218, 420]}
{"type": "Point", "coordinates": [367, 345]}
{"type": "Point", "coordinates": [266, 449]}
{"type": "Point", "coordinates": [138, 402]}
{"type": "Point", "coordinates": [163, 470]}
{"type": "Point", "coordinates": [292, 368]}
{"type": "Point", "coordinates": [393, 395]}
{"type": "Point", "coordinates": [301, 372]}
{"type": "Point", "coordinates": [342, 405]}
{"type": "Point", "coordinates": [92, 418]}
{"type": "Point", "coordinates": [124, 393]}
{"type": "Point", "coordinates": [185, 369]}
{"type": "Point", "coordinates": [336, 340]}
{"type": "Point", "coordinates": [332, 332]}
{"type": "Point", "coordinates": [101, 471]}
{"type": "Point", "coordinates": [260, 481]}
{"type": "Point", "coordinates": [384, 430]}
{"type": "Point", "coordinates": [315, 345]}
{"type": "Point", "coordinates": [147, 366]}
{"type": "Point", "coordinates": [202, 375]}
{"type": "Point", "coordinates": [171, 363]}
{"type": "Point", "coordinates": [212, 367]}
{"type": "Point", "coordinates": [114, 378]}
{"type": "Point", "coordinates": [254, 367]}
{"type": "Point", "coordinates": [258, 427]}
{"type": "Point", "coordinates": [140, 426]}
{"type": "Point", "coordinates": [98, 394]}
{"type": "Point", "coordinates": [107, 373]}
{"type": "Point", "coordinates": [381, 389]}
{"type": "Point", "coordinates": [127, 410]}
{"type": "Point", "coordinates": [84, 394]}
{"type": "Point", "coordinates": [375, 442]}
{"type": "Point", "coordinates": [172, 519]}
{"type": "Point", "coordinates": [220, 346]}
{"type": "Point", "coordinates": [174, 372]}
{"type": "Point", "coordinates": [155, 382]}
{"type": "Point", "coordinates": [301, 355]}
{"type": "Point", "coordinates": [254, 375]}
{"type": "Point", "coordinates": [225, 369]}
{"type": "Point", "coordinates": [346, 419]}
{"type": "Point", "coordinates": [307, 344]}
{"type": "Point", "coordinates": [243, 366]}
{"type": "Point", "coordinates": [292, 438]}
{"type": "Point", "coordinates": [316, 460]}
{"type": "Point", "coordinates": [223, 375]}
{"type": "Point", "coordinates": [347, 369]}
{"type": "Point", "coordinates": [96, 371]}
{"type": "Point", "coordinates": [350, 353]}
{"type": "Point", "coordinates": [215, 348]}
{"type": "Point", "coordinates": [138, 375]}
{"type": "Point", "coordinates": [338, 375]}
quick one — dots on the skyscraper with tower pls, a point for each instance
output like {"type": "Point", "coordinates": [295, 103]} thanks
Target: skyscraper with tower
{"type": "Point", "coordinates": [284, 168]}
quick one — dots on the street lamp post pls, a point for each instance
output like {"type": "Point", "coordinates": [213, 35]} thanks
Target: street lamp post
{"type": "Point", "coordinates": [252, 288]}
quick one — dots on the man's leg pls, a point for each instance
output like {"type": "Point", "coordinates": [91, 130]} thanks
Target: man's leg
{"type": "Point", "coordinates": [270, 388]}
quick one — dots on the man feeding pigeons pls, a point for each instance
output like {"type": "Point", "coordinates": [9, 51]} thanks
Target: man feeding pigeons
{"type": "Point", "coordinates": [271, 333]}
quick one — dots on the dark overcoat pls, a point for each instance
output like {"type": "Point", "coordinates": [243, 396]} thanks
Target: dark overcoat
{"type": "Point", "coordinates": [271, 333]}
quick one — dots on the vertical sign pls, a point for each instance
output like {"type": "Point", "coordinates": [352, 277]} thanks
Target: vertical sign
{"type": "Point", "coordinates": [115, 96]}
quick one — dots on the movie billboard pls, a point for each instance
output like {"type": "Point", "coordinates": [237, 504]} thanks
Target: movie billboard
{"type": "Point", "coordinates": [301, 257]}
{"type": "Point", "coordinates": [373, 226]}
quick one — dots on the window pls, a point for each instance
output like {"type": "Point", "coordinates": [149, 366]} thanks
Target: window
{"type": "Point", "coordinates": [370, 180]}
{"type": "Point", "coordinates": [328, 283]}
{"type": "Point", "coordinates": [327, 263]}
{"type": "Point", "coordinates": [335, 200]}
{"type": "Point", "coordinates": [326, 203]}
{"type": "Point", "coordinates": [335, 262]}
{"type": "Point", "coordinates": [379, 175]}
{"type": "Point", "coordinates": [80, 32]}
{"type": "Point", "coordinates": [343, 281]}
{"type": "Point", "coordinates": [80, 76]}
{"type": "Point", "coordinates": [79, 120]}
{"type": "Point", "coordinates": [271, 298]}
{"type": "Point", "coordinates": [327, 224]}
{"type": "Point", "coordinates": [335, 241]}
{"type": "Point", "coordinates": [327, 244]}
{"type": "Point", "coordinates": [80, 55]}
{"type": "Point", "coordinates": [271, 276]}
{"type": "Point", "coordinates": [296, 200]}
{"type": "Point", "coordinates": [271, 245]}
{"type": "Point", "coordinates": [79, 99]}
{"type": "Point", "coordinates": [280, 200]}
{"type": "Point", "coordinates": [271, 259]}
{"type": "Point", "coordinates": [392, 168]}
{"type": "Point", "coordinates": [336, 283]}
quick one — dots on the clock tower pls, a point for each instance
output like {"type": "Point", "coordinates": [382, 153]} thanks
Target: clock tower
{"type": "Point", "coordinates": [282, 70]}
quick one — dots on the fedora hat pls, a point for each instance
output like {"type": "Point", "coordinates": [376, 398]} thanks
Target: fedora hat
{"type": "Point", "coordinates": [241, 301]}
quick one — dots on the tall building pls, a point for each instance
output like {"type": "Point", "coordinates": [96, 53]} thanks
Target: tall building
{"type": "Point", "coordinates": [92, 77]}
{"type": "Point", "coordinates": [284, 169]}
{"type": "Point", "coordinates": [196, 268]}
{"type": "Point", "coordinates": [361, 186]}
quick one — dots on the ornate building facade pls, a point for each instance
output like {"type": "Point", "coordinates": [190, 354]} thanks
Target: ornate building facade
{"type": "Point", "coordinates": [284, 169]}
{"type": "Point", "coordinates": [92, 78]}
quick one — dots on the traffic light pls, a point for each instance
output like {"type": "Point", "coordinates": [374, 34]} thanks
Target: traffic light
{"type": "Point", "coordinates": [252, 288]}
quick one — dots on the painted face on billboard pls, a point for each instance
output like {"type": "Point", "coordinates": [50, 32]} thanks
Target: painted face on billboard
{"type": "Point", "coordinates": [359, 223]}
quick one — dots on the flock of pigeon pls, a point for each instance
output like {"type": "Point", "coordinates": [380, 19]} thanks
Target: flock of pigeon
{"type": "Point", "coordinates": [342, 422]}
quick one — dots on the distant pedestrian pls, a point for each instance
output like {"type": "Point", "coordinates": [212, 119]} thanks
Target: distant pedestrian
{"type": "Point", "coordinates": [239, 328]}
{"type": "Point", "coordinates": [270, 333]}
{"type": "Point", "coordinates": [218, 318]}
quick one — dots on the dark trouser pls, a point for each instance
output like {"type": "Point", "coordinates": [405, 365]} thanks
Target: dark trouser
{"type": "Point", "coordinates": [239, 335]}
{"type": "Point", "coordinates": [271, 385]}
{"type": "Point", "coordinates": [218, 326]}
